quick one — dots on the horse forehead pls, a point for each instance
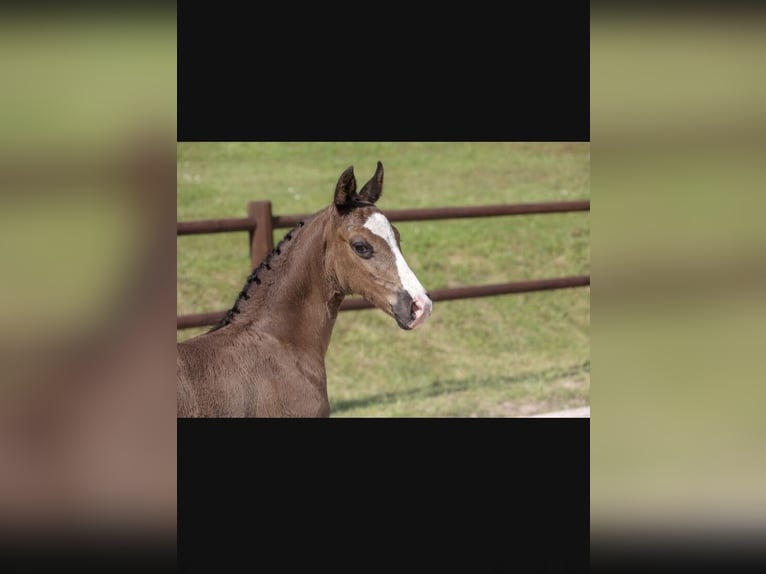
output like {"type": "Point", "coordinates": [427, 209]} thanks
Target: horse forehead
{"type": "Point", "coordinates": [379, 224]}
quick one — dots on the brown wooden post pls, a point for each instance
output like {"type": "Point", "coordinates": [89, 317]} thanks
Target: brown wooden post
{"type": "Point", "coordinates": [262, 239]}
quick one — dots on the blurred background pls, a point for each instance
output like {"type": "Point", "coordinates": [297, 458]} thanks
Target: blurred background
{"type": "Point", "coordinates": [679, 314]}
{"type": "Point", "coordinates": [87, 195]}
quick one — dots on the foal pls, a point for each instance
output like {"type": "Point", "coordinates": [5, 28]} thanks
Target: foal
{"type": "Point", "coordinates": [266, 357]}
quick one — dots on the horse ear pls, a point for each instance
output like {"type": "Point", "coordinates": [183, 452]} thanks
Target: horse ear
{"type": "Point", "coordinates": [373, 189]}
{"type": "Point", "coordinates": [345, 191]}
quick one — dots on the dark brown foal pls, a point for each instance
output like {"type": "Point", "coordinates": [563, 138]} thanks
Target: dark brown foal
{"type": "Point", "coordinates": [266, 358]}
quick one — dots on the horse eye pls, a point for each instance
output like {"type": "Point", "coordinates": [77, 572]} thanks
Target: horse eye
{"type": "Point", "coordinates": [362, 249]}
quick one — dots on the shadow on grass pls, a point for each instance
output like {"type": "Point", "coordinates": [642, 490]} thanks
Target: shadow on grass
{"type": "Point", "coordinates": [443, 387]}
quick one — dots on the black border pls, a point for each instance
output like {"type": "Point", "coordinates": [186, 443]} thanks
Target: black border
{"type": "Point", "coordinates": [479, 493]}
{"type": "Point", "coordinates": [393, 73]}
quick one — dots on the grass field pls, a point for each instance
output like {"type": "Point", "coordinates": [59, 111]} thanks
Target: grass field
{"type": "Point", "coordinates": [499, 356]}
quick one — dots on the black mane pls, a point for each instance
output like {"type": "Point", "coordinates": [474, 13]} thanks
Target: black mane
{"type": "Point", "coordinates": [255, 277]}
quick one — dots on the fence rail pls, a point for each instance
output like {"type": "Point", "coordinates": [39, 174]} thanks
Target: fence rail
{"type": "Point", "coordinates": [395, 215]}
{"type": "Point", "coordinates": [261, 223]}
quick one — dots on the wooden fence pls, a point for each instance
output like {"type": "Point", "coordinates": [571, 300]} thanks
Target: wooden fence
{"type": "Point", "coordinates": [260, 224]}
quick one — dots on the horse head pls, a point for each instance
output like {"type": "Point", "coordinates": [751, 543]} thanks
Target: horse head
{"type": "Point", "coordinates": [365, 254]}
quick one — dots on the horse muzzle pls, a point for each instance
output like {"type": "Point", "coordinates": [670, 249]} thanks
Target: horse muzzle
{"type": "Point", "coordinates": [411, 312]}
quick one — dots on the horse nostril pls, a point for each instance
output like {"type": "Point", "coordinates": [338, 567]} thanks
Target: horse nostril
{"type": "Point", "coordinates": [414, 308]}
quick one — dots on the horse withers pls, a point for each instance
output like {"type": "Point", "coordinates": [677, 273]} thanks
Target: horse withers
{"type": "Point", "coordinates": [266, 357]}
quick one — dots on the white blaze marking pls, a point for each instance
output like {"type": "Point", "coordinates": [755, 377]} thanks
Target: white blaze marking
{"type": "Point", "coordinates": [380, 226]}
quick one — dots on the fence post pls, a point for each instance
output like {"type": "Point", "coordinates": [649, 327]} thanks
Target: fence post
{"type": "Point", "coordinates": [262, 238]}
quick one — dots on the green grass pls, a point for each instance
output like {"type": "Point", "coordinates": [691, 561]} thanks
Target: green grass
{"type": "Point", "coordinates": [498, 356]}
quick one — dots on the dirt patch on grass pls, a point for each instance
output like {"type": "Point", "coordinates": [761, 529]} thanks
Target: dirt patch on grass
{"type": "Point", "coordinates": [534, 407]}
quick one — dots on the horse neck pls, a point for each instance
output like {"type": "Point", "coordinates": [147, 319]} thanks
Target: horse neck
{"type": "Point", "coordinates": [297, 300]}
